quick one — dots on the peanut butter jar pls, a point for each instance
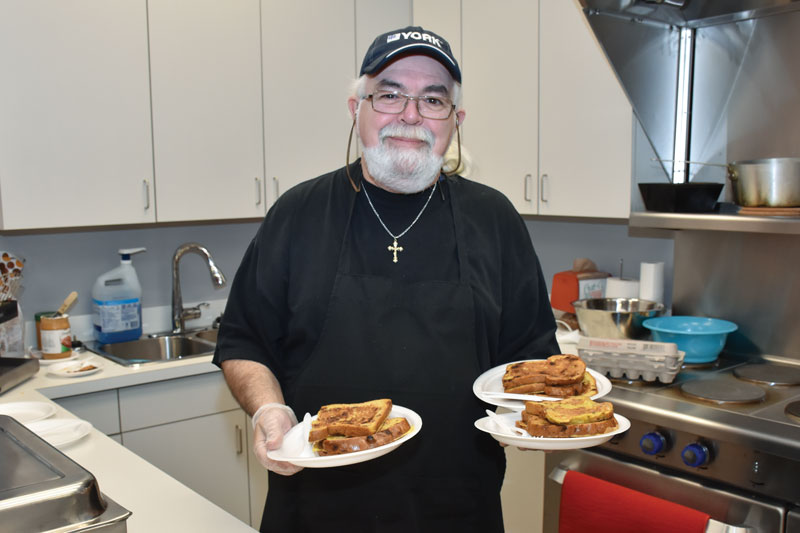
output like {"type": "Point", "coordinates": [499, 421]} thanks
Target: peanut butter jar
{"type": "Point", "coordinates": [56, 337]}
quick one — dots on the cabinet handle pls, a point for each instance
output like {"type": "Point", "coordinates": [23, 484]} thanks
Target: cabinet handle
{"type": "Point", "coordinates": [146, 192]}
{"type": "Point", "coordinates": [277, 185]}
{"type": "Point", "coordinates": [544, 195]}
{"type": "Point", "coordinates": [239, 440]}
{"type": "Point", "coordinates": [258, 191]}
{"type": "Point", "coordinates": [527, 187]}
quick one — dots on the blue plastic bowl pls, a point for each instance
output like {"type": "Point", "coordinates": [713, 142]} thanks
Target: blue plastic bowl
{"type": "Point", "coordinates": [700, 337]}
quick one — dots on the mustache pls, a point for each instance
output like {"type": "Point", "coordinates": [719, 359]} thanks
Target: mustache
{"type": "Point", "coordinates": [409, 132]}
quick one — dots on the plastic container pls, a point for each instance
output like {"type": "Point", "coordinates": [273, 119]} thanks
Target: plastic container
{"type": "Point", "coordinates": [38, 321]}
{"type": "Point", "coordinates": [702, 338]}
{"type": "Point", "coordinates": [56, 336]}
{"type": "Point", "coordinates": [645, 360]}
{"type": "Point", "coordinates": [117, 302]}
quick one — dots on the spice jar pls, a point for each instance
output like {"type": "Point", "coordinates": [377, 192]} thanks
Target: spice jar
{"type": "Point", "coordinates": [56, 336]}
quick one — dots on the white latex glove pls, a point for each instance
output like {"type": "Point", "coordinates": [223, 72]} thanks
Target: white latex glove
{"type": "Point", "coordinates": [270, 423]}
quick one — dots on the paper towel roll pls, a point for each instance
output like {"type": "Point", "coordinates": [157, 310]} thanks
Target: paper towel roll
{"type": "Point", "coordinates": [622, 288]}
{"type": "Point", "coordinates": [651, 282]}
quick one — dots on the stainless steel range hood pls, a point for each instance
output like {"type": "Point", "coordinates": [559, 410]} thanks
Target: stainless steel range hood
{"type": "Point", "coordinates": [709, 80]}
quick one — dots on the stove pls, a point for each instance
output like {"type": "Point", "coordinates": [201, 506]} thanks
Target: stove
{"type": "Point", "coordinates": [735, 421]}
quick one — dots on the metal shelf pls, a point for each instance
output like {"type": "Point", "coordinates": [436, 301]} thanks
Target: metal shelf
{"type": "Point", "coordinates": [715, 222]}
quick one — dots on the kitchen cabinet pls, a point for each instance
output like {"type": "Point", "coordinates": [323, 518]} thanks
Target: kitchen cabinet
{"type": "Point", "coordinates": [101, 409]}
{"type": "Point", "coordinates": [308, 48]}
{"type": "Point", "coordinates": [75, 137]}
{"type": "Point", "coordinates": [522, 495]}
{"type": "Point", "coordinates": [585, 121]}
{"type": "Point", "coordinates": [205, 65]}
{"type": "Point", "coordinates": [258, 480]}
{"type": "Point", "coordinates": [501, 91]}
{"type": "Point", "coordinates": [206, 453]}
{"type": "Point", "coordinates": [560, 144]}
{"type": "Point", "coordinates": [192, 429]}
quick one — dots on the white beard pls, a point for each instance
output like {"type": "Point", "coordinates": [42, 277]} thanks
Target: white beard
{"type": "Point", "coordinates": [404, 171]}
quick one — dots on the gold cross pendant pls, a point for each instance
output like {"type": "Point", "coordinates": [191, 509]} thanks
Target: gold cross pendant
{"type": "Point", "coordinates": [394, 249]}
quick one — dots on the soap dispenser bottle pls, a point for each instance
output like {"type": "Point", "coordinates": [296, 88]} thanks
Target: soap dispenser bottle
{"type": "Point", "coordinates": [117, 302]}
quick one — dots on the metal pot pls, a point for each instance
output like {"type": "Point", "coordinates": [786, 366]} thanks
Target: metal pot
{"type": "Point", "coordinates": [770, 182]}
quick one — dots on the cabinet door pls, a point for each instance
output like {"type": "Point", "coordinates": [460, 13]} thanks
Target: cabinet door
{"type": "Point", "coordinates": [101, 409]}
{"type": "Point", "coordinates": [207, 454]}
{"type": "Point", "coordinates": [75, 139]}
{"type": "Point", "coordinates": [500, 49]}
{"type": "Point", "coordinates": [308, 48]}
{"type": "Point", "coordinates": [586, 122]}
{"type": "Point", "coordinates": [207, 119]}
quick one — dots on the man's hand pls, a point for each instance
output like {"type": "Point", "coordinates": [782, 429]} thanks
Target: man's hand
{"type": "Point", "coordinates": [270, 424]}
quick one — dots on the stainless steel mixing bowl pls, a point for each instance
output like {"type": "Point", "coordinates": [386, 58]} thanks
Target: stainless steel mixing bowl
{"type": "Point", "coordinates": [616, 318]}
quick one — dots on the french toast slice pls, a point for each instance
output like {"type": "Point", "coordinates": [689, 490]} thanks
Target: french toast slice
{"type": "Point", "coordinates": [391, 430]}
{"type": "Point", "coordinates": [565, 369]}
{"type": "Point", "coordinates": [537, 426]}
{"type": "Point", "coordinates": [530, 388]}
{"type": "Point", "coordinates": [563, 391]}
{"type": "Point", "coordinates": [556, 371]}
{"type": "Point", "coordinates": [579, 410]}
{"type": "Point", "coordinates": [589, 384]}
{"type": "Point", "coordinates": [349, 419]}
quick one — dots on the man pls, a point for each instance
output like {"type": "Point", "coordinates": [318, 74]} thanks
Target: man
{"type": "Point", "coordinates": [387, 279]}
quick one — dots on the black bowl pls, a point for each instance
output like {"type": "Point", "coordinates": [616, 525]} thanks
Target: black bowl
{"type": "Point", "coordinates": [693, 197]}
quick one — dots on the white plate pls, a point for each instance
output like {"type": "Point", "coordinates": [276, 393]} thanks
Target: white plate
{"type": "Point", "coordinates": [489, 388]}
{"type": "Point", "coordinates": [25, 412]}
{"type": "Point", "coordinates": [541, 443]}
{"type": "Point", "coordinates": [297, 450]}
{"type": "Point", "coordinates": [72, 369]}
{"type": "Point", "coordinates": [60, 431]}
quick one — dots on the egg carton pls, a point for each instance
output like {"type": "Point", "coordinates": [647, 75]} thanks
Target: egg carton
{"type": "Point", "coordinates": [644, 360]}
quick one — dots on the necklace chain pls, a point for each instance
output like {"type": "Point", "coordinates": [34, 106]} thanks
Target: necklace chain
{"type": "Point", "coordinates": [394, 247]}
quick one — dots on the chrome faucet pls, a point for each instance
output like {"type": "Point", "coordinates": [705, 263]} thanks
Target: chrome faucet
{"type": "Point", "coordinates": [179, 314]}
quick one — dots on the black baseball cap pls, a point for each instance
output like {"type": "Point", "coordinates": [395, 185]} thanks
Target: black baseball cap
{"type": "Point", "coordinates": [410, 40]}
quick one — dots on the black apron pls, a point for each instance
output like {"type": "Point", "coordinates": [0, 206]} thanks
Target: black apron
{"type": "Point", "coordinates": [413, 342]}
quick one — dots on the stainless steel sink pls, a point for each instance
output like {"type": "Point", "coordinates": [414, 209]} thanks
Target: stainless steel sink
{"type": "Point", "coordinates": [159, 348]}
{"type": "Point", "coordinates": [206, 335]}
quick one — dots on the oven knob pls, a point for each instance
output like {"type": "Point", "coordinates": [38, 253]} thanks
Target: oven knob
{"type": "Point", "coordinates": [695, 455]}
{"type": "Point", "coordinates": [653, 443]}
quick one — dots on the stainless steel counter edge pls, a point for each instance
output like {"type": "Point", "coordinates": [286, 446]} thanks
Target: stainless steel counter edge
{"type": "Point", "coordinates": [715, 222]}
{"type": "Point", "coordinates": [674, 413]}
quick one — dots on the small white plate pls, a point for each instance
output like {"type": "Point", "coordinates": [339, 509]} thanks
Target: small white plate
{"type": "Point", "coordinates": [500, 434]}
{"type": "Point", "coordinates": [25, 412]}
{"type": "Point", "coordinates": [297, 450]}
{"type": "Point", "coordinates": [76, 369]}
{"type": "Point", "coordinates": [60, 431]}
{"type": "Point", "coordinates": [489, 388]}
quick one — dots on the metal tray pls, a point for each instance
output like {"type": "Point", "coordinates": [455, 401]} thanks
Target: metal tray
{"type": "Point", "coordinates": [41, 489]}
{"type": "Point", "coordinates": [15, 370]}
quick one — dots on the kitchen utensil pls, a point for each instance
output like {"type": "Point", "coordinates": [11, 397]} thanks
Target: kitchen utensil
{"type": "Point", "coordinates": [702, 338]}
{"type": "Point", "coordinates": [506, 426]}
{"type": "Point", "coordinates": [767, 182]}
{"type": "Point", "coordinates": [68, 301]}
{"type": "Point", "coordinates": [47, 491]}
{"type": "Point", "coordinates": [770, 182]}
{"type": "Point", "coordinates": [615, 318]}
{"type": "Point", "coordinates": [10, 275]}
{"type": "Point", "coordinates": [693, 197]}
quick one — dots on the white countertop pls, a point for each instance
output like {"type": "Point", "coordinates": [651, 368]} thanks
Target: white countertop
{"type": "Point", "coordinates": [158, 502]}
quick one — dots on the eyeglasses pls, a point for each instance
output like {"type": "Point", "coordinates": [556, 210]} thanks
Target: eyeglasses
{"type": "Point", "coordinates": [394, 103]}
